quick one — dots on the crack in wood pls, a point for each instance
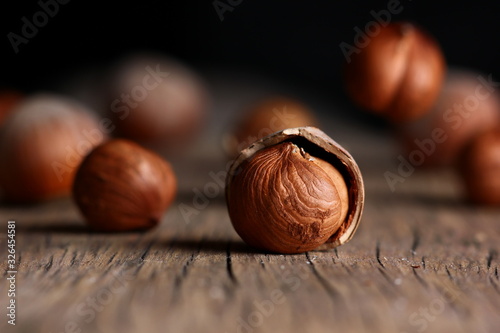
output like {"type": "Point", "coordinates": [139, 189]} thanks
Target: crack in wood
{"type": "Point", "coordinates": [63, 255]}
{"type": "Point", "coordinates": [420, 279]}
{"type": "Point", "coordinates": [112, 257]}
{"type": "Point", "coordinates": [330, 290]}
{"type": "Point", "coordinates": [416, 241]}
{"type": "Point", "coordinates": [73, 259]}
{"type": "Point", "coordinates": [377, 254]}
{"type": "Point", "coordinates": [179, 278]}
{"type": "Point", "coordinates": [188, 263]}
{"type": "Point", "coordinates": [146, 252]}
{"type": "Point", "coordinates": [94, 250]}
{"type": "Point", "coordinates": [262, 263]}
{"type": "Point", "coordinates": [185, 267]}
{"type": "Point", "coordinates": [229, 267]}
{"type": "Point", "coordinates": [491, 255]}
{"type": "Point", "coordinates": [49, 264]}
{"type": "Point", "coordinates": [385, 275]}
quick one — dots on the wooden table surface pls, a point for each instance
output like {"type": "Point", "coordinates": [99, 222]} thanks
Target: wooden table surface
{"type": "Point", "coordinates": [421, 260]}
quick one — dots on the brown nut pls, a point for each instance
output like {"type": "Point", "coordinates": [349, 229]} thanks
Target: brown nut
{"type": "Point", "coordinates": [270, 115]}
{"type": "Point", "coordinates": [42, 142]}
{"type": "Point", "coordinates": [8, 100]}
{"type": "Point", "coordinates": [294, 191]}
{"type": "Point", "coordinates": [398, 74]}
{"type": "Point", "coordinates": [157, 101]}
{"type": "Point", "coordinates": [121, 186]}
{"type": "Point", "coordinates": [467, 105]}
{"type": "Point", "coordinates": [480, 168]}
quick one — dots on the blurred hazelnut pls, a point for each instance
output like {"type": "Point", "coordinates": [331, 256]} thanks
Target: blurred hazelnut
{"type": "Point", "coordinates": [398, 74]}
{"type": "Point", "coordinates": [42, 142]}
{"type": "Point", "coordinates": [268, 116]}
{"type": "Point", "coordinates": [158, 102]}
{"type": "Point", "coordinates": [8, 100]}
{"type": "Point", "coordinates": [480, 168]}
{"type": "Point", "coordinates": [121, 186]}
{"type": "Point", "coordinates": [468, 104]}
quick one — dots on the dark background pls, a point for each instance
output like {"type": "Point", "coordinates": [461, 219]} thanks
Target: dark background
{"type": "Point", "coordinates": [296, 41]}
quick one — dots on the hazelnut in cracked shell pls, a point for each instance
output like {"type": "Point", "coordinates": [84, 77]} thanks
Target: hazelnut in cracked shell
{"type": "Point", "coordinates": [158, 102]}
{"type": "Point", "coordinates": [121, 186]}
{"type": "Point", "coordinates": [294, 191]}
{"type": "Point", "coordinates": [398, 74]}
{"type": "Point", "coordinates": [42, 142]}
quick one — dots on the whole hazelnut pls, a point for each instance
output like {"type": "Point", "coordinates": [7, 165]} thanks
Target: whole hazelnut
{"type": "Point", "coordinates": [121, 186]}
{"type": "Point", "coordinates": [295, 191]}
{"type": "Point", "coordinates": [158, 102]}
{"type": "Point", "coordinates": [42, 142]}
{"type": "Point", "coordinates": [8, 100]}
{"type": "Point", "coordinates": [480, 168]}
{"type": "Point", "coordinates": [466, 106]}
{"type": "Point", "coordinates": [398, 74]}
{"type": "Point", "coordinates": [270, 115]}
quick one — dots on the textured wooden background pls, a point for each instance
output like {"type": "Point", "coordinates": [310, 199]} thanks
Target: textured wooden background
{"type": "Point", "coordinates": [421, 261]}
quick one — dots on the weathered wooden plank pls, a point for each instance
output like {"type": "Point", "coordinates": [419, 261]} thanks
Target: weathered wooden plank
{"type": "Point", "coordinates": [426, 271]}
{"type": "Point", "coordinates": [422, 261]}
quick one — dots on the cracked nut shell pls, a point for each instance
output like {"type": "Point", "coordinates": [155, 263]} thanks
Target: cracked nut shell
{"type": "Point", "coordinates": [294, 191]}
{"type": "Point", "coordinates": [121, 186]}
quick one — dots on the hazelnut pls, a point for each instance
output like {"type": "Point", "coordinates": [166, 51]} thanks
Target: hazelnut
{"type": "Point", "coordinates": [42, 142]}
{"type": "Point", "coordinates": [121, 186]}
{"type": "Point", "coordinates": [480, 168]}
{"type": "Point", "coordinates": [158, 102]}
{"type": "Point", "coordinates": [294, 191]}
{"type": "Point", "coordinates": [268, 116]}
{"type": "Point", "coordinates": [398, 74]}
{"type": "Point", "coordinates": [466, 107]}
